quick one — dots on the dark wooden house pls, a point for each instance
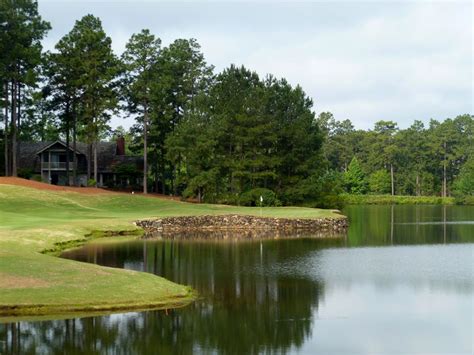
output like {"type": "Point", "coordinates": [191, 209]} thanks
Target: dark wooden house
{"type": "Point", "coordinates": [49, 160]}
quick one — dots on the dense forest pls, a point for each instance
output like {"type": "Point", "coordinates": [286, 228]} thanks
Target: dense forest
{"type": "Point", "coordinates": [229, 137]}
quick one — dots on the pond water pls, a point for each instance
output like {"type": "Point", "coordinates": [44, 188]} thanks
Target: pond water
{"type": "Point", "coordinates": [400, 282]}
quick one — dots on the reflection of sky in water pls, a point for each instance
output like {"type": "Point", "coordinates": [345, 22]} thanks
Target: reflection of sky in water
{"type": "Point", "coordinates": [385, 300]}
{"type": "Point", "coordinates": [438, 266]}
{"type": "Point", "coordinates": [391, 287]}
{"type": "Point", "coordinates": [398, 320]}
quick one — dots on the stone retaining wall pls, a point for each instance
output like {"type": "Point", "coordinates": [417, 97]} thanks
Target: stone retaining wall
{"type": "Point", "coordinates": [230, 226]}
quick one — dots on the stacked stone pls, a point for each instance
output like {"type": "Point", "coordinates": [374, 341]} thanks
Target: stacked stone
{"type": "Point", "coordinates": [240, 223]}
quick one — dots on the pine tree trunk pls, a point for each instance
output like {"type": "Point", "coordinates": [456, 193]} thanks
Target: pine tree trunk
{"type": "Point", "coordinates": [95, 162]}
{"type": "Point", "coordinates": [18, 105]}
{"type": "Point", "coordinates": [418, 184]}
{"type": "Point", "coordinates": [5, 132]}
{"type": "Point", "coordinates": [444, 173]}
{"type": "Point", "coordinates": [14, 128]}
{"type": "Point", "coordinates": [89, 160]}
{"type": "Point", "coordinates": [392, 180]}
{"type": "Point", "coordinates": [74, 159]}
{"type": "Point", "coordinates": [145, 150]}
{"type": "Point", "coordinates": [68, 117]}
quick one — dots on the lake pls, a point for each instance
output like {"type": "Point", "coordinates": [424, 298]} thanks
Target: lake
{"type": "Point", "coordinates": [400, 282]}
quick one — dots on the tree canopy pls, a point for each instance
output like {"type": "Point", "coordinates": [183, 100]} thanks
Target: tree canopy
{"type": "Point", "coordinates": [231, 136]}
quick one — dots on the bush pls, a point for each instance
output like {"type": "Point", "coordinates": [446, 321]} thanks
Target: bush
{"type": "Point", "coordinates": [37, 177]}
{"type": "Point", "coordinates": [91, 183]}
{"type": "Point", "coordinates": [25, 173]}
{"type": "Point", "coordinates": [252, 198]}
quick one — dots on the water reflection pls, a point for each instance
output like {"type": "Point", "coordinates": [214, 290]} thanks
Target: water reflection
{"type": "Point", "coordinates": [243, 307]}
{"type": "Point", "coordinates": [391, 286]}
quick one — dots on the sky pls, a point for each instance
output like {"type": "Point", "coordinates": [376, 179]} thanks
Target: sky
{"type": "Point", "coordinates": [363, 61]}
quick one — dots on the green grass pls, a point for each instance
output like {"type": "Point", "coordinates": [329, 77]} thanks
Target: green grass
{"type": "Point", "coordinates": [33, 221]}
{"type": "Point", "coordinates": [396, 200]}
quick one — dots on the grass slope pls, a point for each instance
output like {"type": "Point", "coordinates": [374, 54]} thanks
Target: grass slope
{"type": "Point", "coordinates": [32, 221]}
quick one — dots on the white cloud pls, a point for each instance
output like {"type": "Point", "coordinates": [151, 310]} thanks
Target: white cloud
{"type": "Point", "coordinates": [360, 60]}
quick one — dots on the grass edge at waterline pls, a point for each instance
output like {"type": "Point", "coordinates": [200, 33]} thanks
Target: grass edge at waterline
{"type": "Point", "coordinates": [352, 199]}
{"type": "Point", "coordinates": [34, 221]}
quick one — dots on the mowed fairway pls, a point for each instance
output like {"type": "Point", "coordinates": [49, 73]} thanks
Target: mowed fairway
{"type": "Point", "coordinates": [33, 220]}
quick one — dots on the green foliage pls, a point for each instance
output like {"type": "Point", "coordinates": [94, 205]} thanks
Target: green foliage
{"type": "Point", "coordinates": [91, 183]}
{"type": "Point", "coordinates": [37, 177]}
{"type": "Point", "coordinates": [379, 182]}
{"type": "Point", "coordinates": [319, 190]}
{"type": "Point", "coordinates": [215, 137]}
{"type": "Point", "coordinates": [242, 135]}
{"type": "Point", "coordinates": [21, 32]}
{"type": "Point", "coordinates": [140, 60]}
{"type": "Point", "coordinates": [25, 173]}
{"type": "Point", "coordinates": [260, 197]}
{"type": "Point", "coordinates": [126, 176]}
{"type": "Point", "coordinates": [424, 159]}
{"type": "Point", "coordinates": [83, 79]}
{"type": "Point", "coordinates": [126, 170]}
{"type": "Point", "coordinates": [354, 178]}
{"type": "Point", "coordinates": [464, 184]}
{"type": "Point", "coordinates": [395, 200]}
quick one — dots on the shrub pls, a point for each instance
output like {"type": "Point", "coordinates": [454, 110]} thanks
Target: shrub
{"type": "Point", "coordinates": [37, 177]}
{"type": "Point", "coordinates": [91, 183]}
{"type": "Point", "coordinates": [25, 173]}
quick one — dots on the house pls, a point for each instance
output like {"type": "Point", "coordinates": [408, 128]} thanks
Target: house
{"type": "Point", "coordinates": [48, 161]}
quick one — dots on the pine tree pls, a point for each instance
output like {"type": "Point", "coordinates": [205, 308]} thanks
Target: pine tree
{"type": "Point", "coordinates": [140, 59]}
{"type": "Point", "coordinates": [21, 32]}
{"type": "Point", "coordinates": [354, 178]}
{"type": "Point", "coordinates": [97, 71]}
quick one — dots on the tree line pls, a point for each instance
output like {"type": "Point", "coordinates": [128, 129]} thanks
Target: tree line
{"type": "Point", "coordinates": [231, 137]}
{"type": "Point", "coordinates": [436, 159]}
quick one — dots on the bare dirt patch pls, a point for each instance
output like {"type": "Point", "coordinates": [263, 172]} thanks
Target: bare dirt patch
{"type": "Point", "coordinates": [15, 282]}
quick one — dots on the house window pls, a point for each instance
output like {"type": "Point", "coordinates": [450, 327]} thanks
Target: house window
{"type": "Point", "coordinates": [45, 157]}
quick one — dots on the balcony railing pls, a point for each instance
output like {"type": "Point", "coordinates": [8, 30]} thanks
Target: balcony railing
{"type": "Point", "coordinates": [55, 165]}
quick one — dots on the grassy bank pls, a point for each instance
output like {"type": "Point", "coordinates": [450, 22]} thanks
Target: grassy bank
{"type": "Point", "coordinates": [396, 200]}
{"type": "Point", "coordinates": [33, 221]}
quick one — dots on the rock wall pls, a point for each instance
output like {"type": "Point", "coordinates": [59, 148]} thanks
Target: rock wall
{"type": "Point", "coordinates": [231, 226]}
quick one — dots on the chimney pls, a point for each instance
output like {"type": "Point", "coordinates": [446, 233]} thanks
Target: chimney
{"type": "Point", "coordinates": [120, 146]}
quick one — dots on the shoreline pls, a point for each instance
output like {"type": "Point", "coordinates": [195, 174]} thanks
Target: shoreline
{"type": "Point", "coordinates": [15, 311]}
{"type": "Point", "coordinates": [37, 225]}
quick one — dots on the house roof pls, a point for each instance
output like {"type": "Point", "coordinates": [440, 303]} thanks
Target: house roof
{"type": "Point", "coordinates": [58, 142]}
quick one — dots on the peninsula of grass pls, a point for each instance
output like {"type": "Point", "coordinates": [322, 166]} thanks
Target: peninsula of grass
{"type": "Point", "coordinates": [33, 221]}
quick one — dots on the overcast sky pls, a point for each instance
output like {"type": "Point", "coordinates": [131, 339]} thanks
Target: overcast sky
{"type": "Point", "coordinates": [366, 61]}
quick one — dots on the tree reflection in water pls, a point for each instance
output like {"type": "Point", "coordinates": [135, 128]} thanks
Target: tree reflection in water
{"type": "Point", "coordinates": [246, 304]}
{"type": "Point", "coordinates": [263, 295]}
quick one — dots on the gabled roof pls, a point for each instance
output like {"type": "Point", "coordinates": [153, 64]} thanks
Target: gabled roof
{"type": "Point", "coordinates": [57, 142]}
